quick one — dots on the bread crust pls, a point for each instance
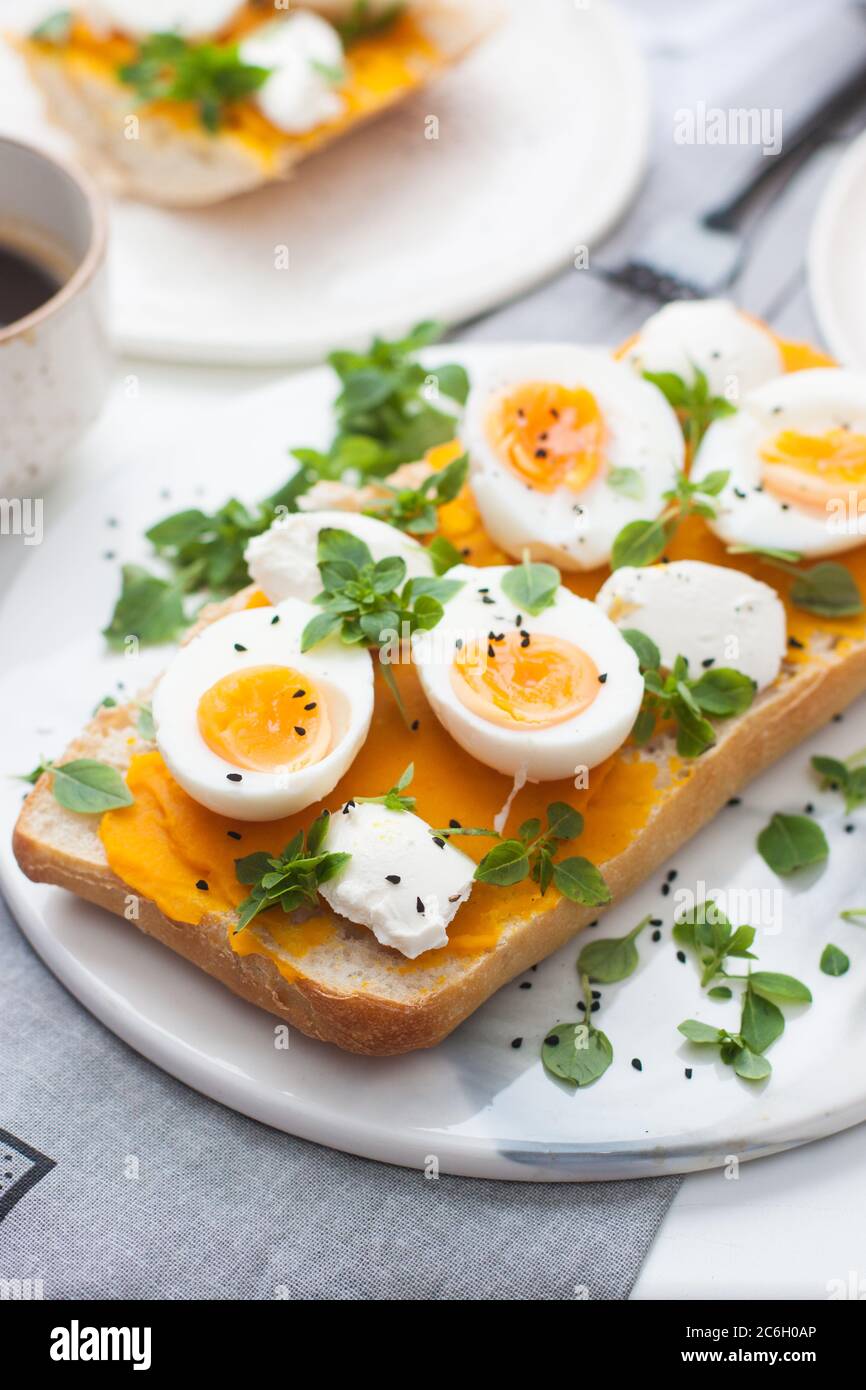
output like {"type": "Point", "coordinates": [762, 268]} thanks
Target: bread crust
{"type": "Point", "coordinates": [174, 167]}
{"type": "Point", "coordinates": [56, 846]}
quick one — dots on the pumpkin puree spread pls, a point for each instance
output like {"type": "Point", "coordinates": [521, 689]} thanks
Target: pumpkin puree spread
{"type": "Point", "coordinates": [165, 843]}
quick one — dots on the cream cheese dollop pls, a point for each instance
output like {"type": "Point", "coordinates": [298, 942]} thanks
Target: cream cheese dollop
{"type": "Point", "coordinates": [401, 882]}
{"type": "Point", "coordinates": [306, 59]}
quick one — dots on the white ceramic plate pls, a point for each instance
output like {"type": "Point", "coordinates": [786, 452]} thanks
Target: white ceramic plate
{"type": "Point", "coordinates": [479, 1106]}
{"type": "Point", "coordinates": [543, 137]}
{"type": "Point", "coordinates": [837, 258]}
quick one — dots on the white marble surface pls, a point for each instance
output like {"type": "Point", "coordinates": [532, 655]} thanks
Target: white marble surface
{"type": "Point", "coordinates": [785, 1226]}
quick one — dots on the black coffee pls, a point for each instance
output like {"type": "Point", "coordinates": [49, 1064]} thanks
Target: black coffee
{"type": "Point", "coordinates": [24, 286]}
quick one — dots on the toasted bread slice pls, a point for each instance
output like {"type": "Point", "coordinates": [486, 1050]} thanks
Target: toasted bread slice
{"type": "Point", "coordinates": [170, 159]}
{"type": "Point", "coordinates": [351, 991]}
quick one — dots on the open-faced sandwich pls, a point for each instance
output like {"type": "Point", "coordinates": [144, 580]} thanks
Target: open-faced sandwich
{"type": "Point", "coordinates": [187, 102]}
{"type": "Point", "coordinates": [457, 705]}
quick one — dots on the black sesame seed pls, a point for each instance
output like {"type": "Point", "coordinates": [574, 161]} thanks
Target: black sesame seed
{"type": "Point", "coordinates": [300, 731]}
{"type": "Point", "coordinates": [437, 840]}
{"type": "Point", "coordinates": [541, 453]}
{"type": "Point", "coordinates": [419, 906]}
{"type": "Point", "coordinates": [602, 677]}
{"type": "Point", "coordinates": [487, 600]}
{"type": "Point", "coordinates": [415, 725]}
{"type": "Point", "coordinates": [593, 924]}
{"type": "Point", "coordinates": [849, 829]}
{"type": "Point", "coordinates": [738, 492]}
{"type": "Point", "coordinates": [202, 885]}
{"type": "Point", "coordinates": [552, 1041]}
{"type": "Point", "coordinates": [707, 662]}
{"type": "Point", "coordinates": [796, 643]}
{"type": "Point", "coordinates": [672, 873]}
{"type": "Point", "coordinates": [348, 807]}
{"type": "Point", "coordinates": [517, 1042]}
{"type": "Point", "coordinates": [454, 824]}
{"type": "Point", "coordinates": [392, 878]}
{"type": "Point", "coordinates": [526, 984]}
{"type": "Point", "coordinates": [554, 413]}
{"type": "Point", "coordinates": [234, 777]}
{"type": "Point", "coordinates": [637, 1063]}
{"type": "Point", "coordinates": [809, 808]}
{"type": "Point", "coordinates": [656, 922]}
{"type": "Point", "coordinates": [688, 1073]}
{"type": "Point", "coordinates": [484, 591]}
{"type": "Point", "coordinates": [311, 705]}
{"type": "Point", "coordinates": [735, 801]}
{"type": "Point", "coordinates": [837, 719]}
{"type": "Point", "coordinates": [666, 888]}
{"type": "Point", "coordinates": [681, 957]}
{"type": "Point", "coordinates": [275, 619]}
{"type": "Point", "coordinates": [596, 994]}
{"type": "Point", "coordinates": [581, 1006]}
{"type": "Point", "coordinates": [454, 898]}
{"type": "Point", "coordinates": [596, 1006]}
{"type": "Point", "coordinates": [524, 641]}
{"type": "Point", "coordinates": [239, 647]}
{"type": "Point", "coordinates": [490, 651]}
{"type": "Point", "coordinates": [299, 694]}
{"type": "Point", "coordinates": [233, 834]}
{"type": "Point", "coordinates": [459, 643]}
{"type": "Point", "coordinates": [518, 620]}
{"type": "Point", "coordinates": [657, 936]}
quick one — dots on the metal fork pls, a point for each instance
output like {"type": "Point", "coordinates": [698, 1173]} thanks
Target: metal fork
{"type": "Point", "coordinates": [690, 257]}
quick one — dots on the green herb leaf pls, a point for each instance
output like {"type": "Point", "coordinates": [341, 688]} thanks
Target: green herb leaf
{"type": "Point", "coordinates": [393, 799]}
{"type": "Point", "coordinates": [774, 986]}
{"type": "Point", "coordinates": [361, 22]}
{"type": "Point", "coordinates": [144, 723]}
{"type": "Point", "coordinates": [608, 961]}
{"type": "Point", "coordinates": [89, 787]}
{"type": "Point", "coordinates": [531, 587]}
{"type": "Point", "coordinates": [845, 777]}
{"type": "Point", "coordinates": [581, 882]}
{"type": "Point", "coordinates": [443, 555]}
{"type": "Point", "coordinates": [576, 1052]}
{"type": "Point", "coordinates": [700, 1033]}
{"type": "Point", "coordinates": [505, 864]}
{"type": "Point", "coordinates": [834, 961]}
{"type": "Point", "coordinates": [289, 880]}
{"type": "Point", "coordinates": [827, 589]}
{"type": "Point", "coordinates": [720, 992]}
{"type": "Point", "coordinates": [790, 843]}
{"type": "Point", "coordinates": [762, 1022]}
{"type": "Point", "coordinates": [149, 608]}
{"type": "Point", "coordinates": [640, 543]}
{"type": "Point", "coordinates": [318, 628]}
{"type": "Point", "coordinates": [213, 76]}
{"type": "Point", "coordinates": [563, 822]}
{"type": "Point", "coordinates": [55, 29]}
{"type": "Point", "coordinates": [453, 381]}
{"type": "Point", "coordinates": [626, 481]}
{"type": "Point", "coordinates": [648, 654]}
{"type": "Point", "coordinates": [723, 692]}
{"type": "Point", "coordinates": [751, 1067]}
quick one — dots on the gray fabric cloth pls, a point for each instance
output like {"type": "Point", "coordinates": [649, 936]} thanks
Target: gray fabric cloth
{"type": "Point", "coordinates": [157, 1192]}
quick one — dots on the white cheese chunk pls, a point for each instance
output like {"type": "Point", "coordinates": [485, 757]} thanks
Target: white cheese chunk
{"type": "Point", "coordinates": [400, 882]}
{"type": "Point", "coordinates": [283, 560]}
{"type": "Point", "coordinates": [710, 614]}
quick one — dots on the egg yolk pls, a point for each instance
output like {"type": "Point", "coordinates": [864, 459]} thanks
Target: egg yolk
{"type": "Point", "coordinates": [551, 435]}
{"type": "Point", "coordinates": [266, 719]}
{"type": "Point", "coordinates": [524, 681]}
{"type": "Point", "coordinates": [814, 469]}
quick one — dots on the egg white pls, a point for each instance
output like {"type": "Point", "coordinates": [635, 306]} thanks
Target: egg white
{"type": "Point", "coordinates": [343, 675]}
{"type": "Point", "coordinates": [546, 754]}
{"type": "Point", "coordinates": [282, 561]}
{"type": "Point", "coordinates": [810, 402]}
{"type": "Point", "coordinates": [710, 614]}
{"type": "Point", "coordinates": [735, 354]}
{"type": "Point", "coordinates": [573, 530]}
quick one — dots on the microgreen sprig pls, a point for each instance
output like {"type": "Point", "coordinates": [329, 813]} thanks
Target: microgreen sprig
{"type": "Point", "coordinates": [828, 589]}
{"type": "Point", "coordinates": [719, 691]}
{"type": "Point", "coordinates": [168, 67]}
{"type": "Point", "coordinates": [706, 931]}
{"type": "Point", "coordinates": [643, 542]}
{"type": "Point", "coordinates": [696, 409]}
{"type": "Point", "coordinates": [531, 855]}
{"type": "Point", "coordinates": [577, 1052]}
{"type": "Point", "coordinates": [393, 799]}
{"type": "Point", "coordinates": [612, 959]}
{"type": "Point", "coordinates": [289, 880]}
{"type": "Point", "coordinates": [415, 509]}
{"type": "Point", "coordinates": [847, 777]}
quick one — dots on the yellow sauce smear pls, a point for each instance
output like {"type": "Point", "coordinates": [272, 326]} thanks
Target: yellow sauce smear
{"type": "Point", "coordinates": [165, 842]}
{"type": "Point", "coordinates": [380, 69]}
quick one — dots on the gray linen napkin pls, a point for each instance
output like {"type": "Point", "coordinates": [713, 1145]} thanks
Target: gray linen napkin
{"type": "Point", "coordinates": [117, 1181]}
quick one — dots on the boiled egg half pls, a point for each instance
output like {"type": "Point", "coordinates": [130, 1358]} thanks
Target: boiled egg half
{"type": "Point", "coordinates": [539, 697]}
{"type": "Point", "coordinates": [567, 446]}
{"type": "Point", "coordinates": [251, 727]}
{"type": "Point", "coordinates": [796, 455]}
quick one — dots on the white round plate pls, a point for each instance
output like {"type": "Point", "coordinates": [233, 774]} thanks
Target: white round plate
{"type": "Point", "coordinates": [837, 258]}
{"type": "Point", "coordinates": [542, 142]}
{"type": "Point", "coordinates": [479, 1105]}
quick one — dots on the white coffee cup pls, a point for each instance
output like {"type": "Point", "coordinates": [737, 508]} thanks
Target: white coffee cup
{"type": "Point", "coordinates": [55, 363]}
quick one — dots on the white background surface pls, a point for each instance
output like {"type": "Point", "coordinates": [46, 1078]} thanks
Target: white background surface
{"type": "Point", "coordinates": [787, 1225]}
